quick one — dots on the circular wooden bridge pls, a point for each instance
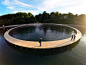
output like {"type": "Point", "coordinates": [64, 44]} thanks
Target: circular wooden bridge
{"type": "Point", "coordinates": [45, 45]}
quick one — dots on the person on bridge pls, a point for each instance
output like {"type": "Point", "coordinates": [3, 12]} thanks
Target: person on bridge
{"type": "Point", "coordinates": [40, 41]}
{"type": "Point", "coordinates": [73, 36]}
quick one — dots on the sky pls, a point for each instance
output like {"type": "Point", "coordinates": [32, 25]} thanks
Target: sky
{"type": "Point", "coordinates": [38, 6]}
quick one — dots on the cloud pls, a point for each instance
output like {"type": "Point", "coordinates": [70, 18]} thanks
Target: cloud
{"type": "Point", "coordinates": [10, 8]}
{"type": "Point", "coordinates": [52, 4]}
{"type": "Point", "coordinates": [63, 6]}
{"type": "Point", "coordinates": [15, 3]}
{"type": "Point", "coordinates": [6, 2]}
{"type": "Point", "coordinates": [17, 6]}
{"type": "Point", "coordinates": [22, 4]}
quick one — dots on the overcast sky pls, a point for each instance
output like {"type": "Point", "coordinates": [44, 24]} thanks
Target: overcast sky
{"type": "Point", "coordinates": [38, 6]}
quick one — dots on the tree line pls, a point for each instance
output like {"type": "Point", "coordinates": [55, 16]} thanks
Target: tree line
{"type": "Point", "coordinates": [53, 17]}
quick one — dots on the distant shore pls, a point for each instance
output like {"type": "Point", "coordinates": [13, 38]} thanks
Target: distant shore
{"type": "Point", "coordinates": [36, 23]}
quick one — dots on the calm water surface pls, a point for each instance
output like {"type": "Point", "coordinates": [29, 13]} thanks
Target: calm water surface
{"type": "Point", "coordinates": [46, 32]}
{"type": "Point", "coordinates": [74, 54]}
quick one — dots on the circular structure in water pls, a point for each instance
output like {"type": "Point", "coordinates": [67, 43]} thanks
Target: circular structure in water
{"type": "Point", "coordinates": [46, 32]}
{"type": "Point", "coordinates": [53, 35]}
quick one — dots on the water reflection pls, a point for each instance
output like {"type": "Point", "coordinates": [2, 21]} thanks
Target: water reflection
{"type": "Point", "coordinates": [74, 54]}
{"type": "Point", "coordinates": [43, 52]}
{"type": "Point", "coordinates": [2, 31]}
{"type": "Point", "coordinates": [82, 29]}
{"type": "Point", "coordinates": [46, 32]}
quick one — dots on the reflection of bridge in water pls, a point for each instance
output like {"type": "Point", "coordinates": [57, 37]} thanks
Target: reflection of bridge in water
{"type": "Point", "coordinates": [46, 44]}
{"type": "Point", "coordinates": [42, 52]}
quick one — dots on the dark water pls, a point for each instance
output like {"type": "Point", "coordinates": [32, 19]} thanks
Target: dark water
{"type": "Point", "coordinates": [74, 54]}
{"type": "Point", "coordinates": [46, 32]}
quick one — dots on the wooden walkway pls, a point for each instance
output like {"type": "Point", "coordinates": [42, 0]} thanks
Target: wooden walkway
{"type": "Point", "coordinates": [45, 45]}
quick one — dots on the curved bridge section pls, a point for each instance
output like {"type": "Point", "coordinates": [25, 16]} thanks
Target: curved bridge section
{"type": "Point", "coordinates": [45, 45]}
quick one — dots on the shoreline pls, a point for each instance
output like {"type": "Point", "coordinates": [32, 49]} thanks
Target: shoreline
{"type": "Point", "coordinates": [37, 23]}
